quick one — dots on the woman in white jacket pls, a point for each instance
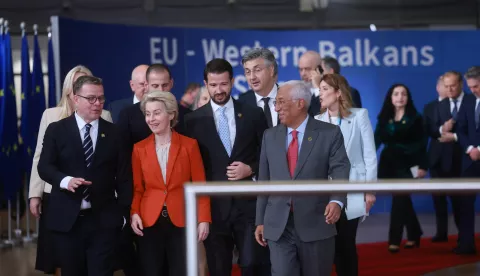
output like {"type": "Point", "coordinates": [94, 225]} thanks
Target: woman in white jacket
{"type": "Point", "coordinates": [336, 108]}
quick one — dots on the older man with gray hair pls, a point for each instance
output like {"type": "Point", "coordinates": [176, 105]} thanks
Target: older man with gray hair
{"type": "Point", "coordinates": [300, 230]}
{"type": "Point", "coordinates": [261, 71]}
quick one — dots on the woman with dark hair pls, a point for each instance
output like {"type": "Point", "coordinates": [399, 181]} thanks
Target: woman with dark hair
{"type": "Point", "coordinates": [400, 130]}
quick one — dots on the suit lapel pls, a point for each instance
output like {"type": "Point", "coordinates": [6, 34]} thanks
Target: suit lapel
{"type": "Point", "coordinates": [75, 137]}
{"type": "Point", "coordinates": [102, 141]}
{"type": "Point", "coordinates": [172, 155]}
{"type": "Point", "coordinates": [239, 125]}
{"type": "Point", "coordinates": [281, 144]}
{"type": "Point", "coordinates": [346, 127]}
{"type": "Point", "coordinates": [152, 159]}
{"type": "Point", "coordinates": [309, 138]}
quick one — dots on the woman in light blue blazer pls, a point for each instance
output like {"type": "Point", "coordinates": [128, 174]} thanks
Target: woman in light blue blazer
{"type": "Point", "coordinates": [336, 103]}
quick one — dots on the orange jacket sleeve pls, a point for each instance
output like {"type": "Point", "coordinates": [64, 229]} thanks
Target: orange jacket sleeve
{"type": "Point", "coordinates": [198, 175]}
{"type": "Point", "coordinates": [138, 185]}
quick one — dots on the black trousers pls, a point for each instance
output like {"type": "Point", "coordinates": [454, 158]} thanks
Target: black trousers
{"type": "Point", "coordinates": [162, 242]}
{"type": "Point", "coordinates": [86, 249]}
{"type": "Point", "coordinates": [126, 256]}
{"type": "Point", "coordinates": [403, 215]}
{"type": "Point", "coordinates": [346, 258]}
{"type": "Point", "coordinates": [239, 230]}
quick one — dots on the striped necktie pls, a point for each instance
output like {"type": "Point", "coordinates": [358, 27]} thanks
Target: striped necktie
{"type": "Point", "coordinates": [88, 153]}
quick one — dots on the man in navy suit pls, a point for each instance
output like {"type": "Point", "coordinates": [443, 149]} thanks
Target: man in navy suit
{"type": "Point", "coordinates": [307, 64]}
{"type": "Point", "coordinates": [261, 71]}
{"type": "Point", "coordinates": [137, 84]}
{"type": "Point", "coordinates": [468, 134]}
{"type": "Point", "coordinates": [451, 116]}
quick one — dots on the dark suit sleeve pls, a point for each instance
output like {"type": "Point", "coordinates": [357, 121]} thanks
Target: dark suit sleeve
{"type": "Point", "coordinates": [47, 166]}
{"type": "Point", "coordinates": [124, 179]}
{"type": "Point", "coordinates": [421, 140]}
{"type": "Point", "coordinates": [260, 127]}
{"type": "Point", "coordinates": [263, 175]}
{"type": "Point", "coordinates": [124, 129]}
{"type": "Point", "coordinates": [462, 129]}
{"type": "Point", "coordinates": [379, 136]}
{"type": "Point", "coordinates": [339, 165]}
{"type": "Point", "coordinates": [432, 121]}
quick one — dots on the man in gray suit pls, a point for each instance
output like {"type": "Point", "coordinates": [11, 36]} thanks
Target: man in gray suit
{"type": "Point", "coordinates": [300, 230]}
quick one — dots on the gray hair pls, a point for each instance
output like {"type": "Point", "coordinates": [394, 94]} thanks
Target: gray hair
{"type": "Point", "coordinates": [299, 91]}
{"type": "Point", "coordinates": [473, 73]}
{"type": "Point", "coordinates": [167, 98]}
{"type": "Point", "coordinates": [266, 54]}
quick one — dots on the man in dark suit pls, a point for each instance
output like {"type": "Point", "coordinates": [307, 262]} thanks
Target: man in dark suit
{"type": "Point", "coordinates": [307, 64]}
{"type": "Point", "coordinates": [83, 159]}
{"type": "Point", "coordinates": [132, 121]}
{"type": "Point", "coordinates": [331, 66]}
{"type": "Point", "coordinates": [469, 138]}
{"type": "Point", "coordinates": [137, 84]}
{"type": "Point", "coordinates": [450, 163]}
{"type": "Point", "coordinates": [300, 230]}
{"type": "Point", "coordinates": [261, 71]}
{"type": "Point", "coordinates": [430, 117]}
{"type": "Point", "coordinates": [229, 134]}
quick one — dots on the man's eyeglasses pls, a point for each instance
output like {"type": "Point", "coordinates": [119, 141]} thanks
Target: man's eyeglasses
{"type": "Point", "coordinates": [93, 99]}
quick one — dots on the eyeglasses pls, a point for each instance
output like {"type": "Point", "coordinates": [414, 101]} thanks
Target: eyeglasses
{"type": "Point", "coordinates": [282, 102]}
{"type": "Point", "coordinates": [93, 99]}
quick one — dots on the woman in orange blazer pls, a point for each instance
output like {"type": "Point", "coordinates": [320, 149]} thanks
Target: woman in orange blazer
{"type": "Point", "coordinates": [161, 164]}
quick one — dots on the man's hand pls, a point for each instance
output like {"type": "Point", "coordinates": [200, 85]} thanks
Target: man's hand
{"type": "Point", "coordinates": [447, 137]}
{"type": "Point", "coordinates": [448, 126]}
{"type": "Point", "coordinates": [36, 206]}
{"type": "Point", "coordinates": [238, 170]}
{"type": "Point", "coordinates": [316, 77]}
{"type": "Point", "coordinates": [332, 213]}
{"type": "Point", "coordinates": [474, 154]}
{"type": "Point", "coordinates": [77, 182]}
{"type": "Point", "coordinates": [370, 201]}
{"type": "Point", "coordinates": [259, 236]}
{"type": "Point", "coordinates": [421, 173]}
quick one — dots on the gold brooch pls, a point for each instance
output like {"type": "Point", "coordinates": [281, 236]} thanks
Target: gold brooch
{"type": "Point", "coordinates": [240, 115]}
{"type": "Point", "coordinates": [103, 135]}
{"type": "Point", "coordinates": [309, 139]}
{"type": "Point", "coordinates": [403, 122]}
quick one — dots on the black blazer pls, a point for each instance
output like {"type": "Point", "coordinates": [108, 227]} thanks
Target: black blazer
{"type": "Point", "coordinates": [134, 129]}
{"type": "Point", "coordinates": [357, 101]}
{"type": "Point", "coordinates": [62, 155]}
{"type": "Point", "coordinates": [250, 125]}
{"type": "Point", "coordinates": [430, 118]}
{"type": "Point", "coordinates": [451, 156]}
{"type": "Point", "coordinates": [117, 106]}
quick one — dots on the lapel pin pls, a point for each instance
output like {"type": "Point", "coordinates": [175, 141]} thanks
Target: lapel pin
{"type": "Point", "coordinates": [403, 122]}
{"type": "Point", "coordinates": [103, 135]}
{"type": "Point", "coordinates": [240, 115]}
{"type": "Point", "coordinates": [309, 139]}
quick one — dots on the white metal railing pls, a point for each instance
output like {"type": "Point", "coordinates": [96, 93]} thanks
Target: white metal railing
{"type": "Point", "coordinates": [302, 187]}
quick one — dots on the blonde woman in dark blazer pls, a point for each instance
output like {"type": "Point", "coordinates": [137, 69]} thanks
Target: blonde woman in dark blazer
{"type": "Point", "coordinates": [40, 190]}
{"type": "Point", "coordinates": [357, 131]}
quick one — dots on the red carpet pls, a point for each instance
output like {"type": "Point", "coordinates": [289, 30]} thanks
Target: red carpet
{"type": "Point", "coordinates": [374, 259]}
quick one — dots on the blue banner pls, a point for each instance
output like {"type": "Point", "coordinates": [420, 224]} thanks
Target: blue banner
{"type": "Point", "coordinates": [371, 61]}
{"type": "Point", "coordinates": [10, 176]}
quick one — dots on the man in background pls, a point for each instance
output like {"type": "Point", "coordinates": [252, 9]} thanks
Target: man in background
{"type": "Point", "coordinates": [137, 84]}
{"type": "Point", "coordinates": [307, 64]}
{"type": "Point", "coordinates": [190, 94]}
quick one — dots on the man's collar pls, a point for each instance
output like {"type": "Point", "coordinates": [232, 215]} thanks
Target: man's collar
{"type": "Point", "coordinates": [81, 122]}
{"type": "Point", "coordinates": [135, 100]}
{"type": "Point", "coordinates": [272, 95]}
{"type": "Point", "coordinates": [301, 128]}
{"type": "Point", "coordinates": [215, 106]}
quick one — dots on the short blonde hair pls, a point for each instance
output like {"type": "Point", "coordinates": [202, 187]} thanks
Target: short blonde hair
{"type": "Point", "coordinates": [339, 83]}
{"type": "Point", "coordinates": [167, 98]}
{"type": "Point", "coordinates": [68, 89]}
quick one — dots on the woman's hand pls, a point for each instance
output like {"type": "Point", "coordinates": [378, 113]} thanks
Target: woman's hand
{"type": "Point", "coordinates": [370, 201]}
{"type": "Point", "coordinates": [316, 77]}
{"type": "Point", "coordinates": [421, 173]}
{"type": "Point", "coordinates": [137, 225]}
{"type": "Point", "coordinates": [203, 228]}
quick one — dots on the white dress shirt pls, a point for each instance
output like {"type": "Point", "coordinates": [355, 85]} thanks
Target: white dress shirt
{"type": "Point", "coordinates": [452, 105]}
{"type": "Point", "coordinates": [93, 135]}
{"type": "Point", "coordinates": [300, 133]}
{"type": "Point", "coordinates": [230, 113]}
{"type": "Point", "coordinates": [272, 95]}
{"type": "Point", "coordinates": [135, 100]}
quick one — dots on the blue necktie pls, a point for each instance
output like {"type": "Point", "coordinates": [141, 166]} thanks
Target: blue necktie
{"type": "Point", "coordinates": [477, 115]}
{"type": "Point", "coordinates": [223, 130]}
{"type": "Point", "coordinates": [88, 153]}
{"type": "Point", "coordinates": [455, 109]}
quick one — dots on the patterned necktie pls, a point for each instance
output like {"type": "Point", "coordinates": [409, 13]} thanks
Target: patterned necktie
{"type": "Point", "coordinates": [455, 109]}
{"type": "Point", "coordinates": [266, 110]}
{"type": "Point", "coordinates": [88, 153]}
{"type": "Point", "coordinates": [223, 129]}
{"type": "Point", "coordinates": [292, 153]}
{"type": "Point", "coordinates": [477, 115]}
